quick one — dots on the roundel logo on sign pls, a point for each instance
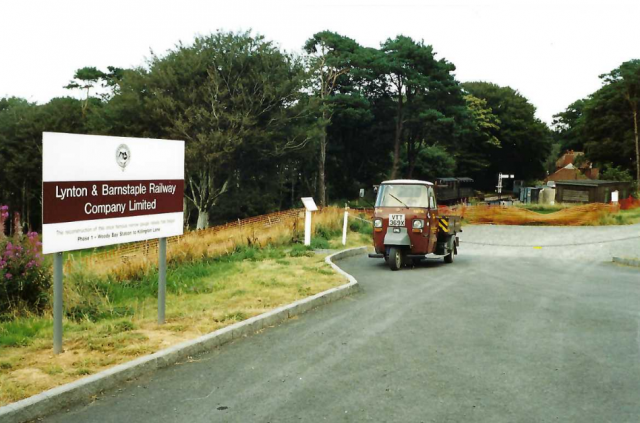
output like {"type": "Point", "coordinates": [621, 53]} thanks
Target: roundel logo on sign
{"type": "Point", "coordinates": [123, 156]}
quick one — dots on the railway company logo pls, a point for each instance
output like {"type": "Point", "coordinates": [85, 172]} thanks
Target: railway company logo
{"type": "Point", "coordinates": [123, 156]}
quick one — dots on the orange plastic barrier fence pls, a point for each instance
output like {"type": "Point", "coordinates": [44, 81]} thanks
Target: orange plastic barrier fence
{"type": "Point", "coordinates": [629, 203]}
{"type": "Point", "coordinates": [499, 215]}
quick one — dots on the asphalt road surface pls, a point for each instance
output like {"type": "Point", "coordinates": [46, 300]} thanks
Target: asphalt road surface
{"type": "Point", "coordinates": [523, 335]}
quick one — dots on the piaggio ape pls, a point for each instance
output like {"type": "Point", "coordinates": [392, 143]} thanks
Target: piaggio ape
{"type": "Point", "coordinates": [408, 227]}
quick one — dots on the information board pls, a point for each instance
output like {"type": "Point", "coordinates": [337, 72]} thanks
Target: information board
{"type": "Point", "coordinates": [100, 190]}
{"type": "Point", "coordinates": [309, 204]}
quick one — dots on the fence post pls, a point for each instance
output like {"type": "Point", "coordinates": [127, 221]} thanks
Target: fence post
{"type": "Point", "coordinates": [344, 226]}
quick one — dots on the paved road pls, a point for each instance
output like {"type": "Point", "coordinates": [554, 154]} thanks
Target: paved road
{"type": "Point", "coordinates": [491, 338]}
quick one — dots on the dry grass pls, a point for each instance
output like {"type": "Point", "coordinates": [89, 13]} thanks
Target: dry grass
{"type": "Point", "coordinates": [195, 246]}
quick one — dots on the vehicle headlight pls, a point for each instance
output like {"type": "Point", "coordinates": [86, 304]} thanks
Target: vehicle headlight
{"type": "Point", "coordinates": [377, 223]}
{"type": "Point", "coordinates": [418, 224]}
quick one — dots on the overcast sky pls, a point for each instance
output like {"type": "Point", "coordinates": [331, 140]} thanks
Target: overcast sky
{"type": "Point", "coordinates": [551, 51]}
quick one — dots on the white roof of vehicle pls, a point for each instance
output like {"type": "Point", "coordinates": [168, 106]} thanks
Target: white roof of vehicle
{"type": "Point", "coordinates": [407, 181]}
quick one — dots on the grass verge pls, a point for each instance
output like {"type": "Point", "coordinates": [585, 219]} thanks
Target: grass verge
{"type": "Point", "coordinates": [111, 311]}
{"type": "Point", "coordinates": [622, 217]}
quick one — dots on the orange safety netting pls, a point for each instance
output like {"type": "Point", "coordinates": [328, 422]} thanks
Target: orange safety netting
{"type": "Point", "coordinates": [629, 203]}
{"type": "Point", "coordinates": [500, 215]}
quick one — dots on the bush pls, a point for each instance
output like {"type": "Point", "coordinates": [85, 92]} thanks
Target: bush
{"type": "Point", "coordinates": [319, 243]}
{"type": "Point", "coordinates": [327, 232]}
{"type": "Point", "coordinates": [361, 227]}
{"type": "Point", "coordinates": [24, 281]}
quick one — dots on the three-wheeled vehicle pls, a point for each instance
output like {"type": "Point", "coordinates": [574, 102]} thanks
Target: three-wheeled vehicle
{"type": "Point", "coordinates": [408, 227]}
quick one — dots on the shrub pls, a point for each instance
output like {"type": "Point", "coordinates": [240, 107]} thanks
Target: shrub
{"type": "Point", "coordinates": [327, 232]}
{"type": "Point", "coordinates": [24, 281]}
{"type": "Point", "coordinates": [360, 226]}
{"type": "Point", "coordinates": [319, 243]}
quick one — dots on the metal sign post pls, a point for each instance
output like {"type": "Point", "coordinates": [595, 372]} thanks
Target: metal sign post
{"type": "Point", "coordinates": [162, 278]}
{"type": "Point", "coordinates": [57, 303]}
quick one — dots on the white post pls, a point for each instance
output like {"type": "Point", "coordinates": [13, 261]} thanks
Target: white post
{"type": "Point", "coordinates": [344, 228]}
{"type": "Point", "coordinates": [307, 228]}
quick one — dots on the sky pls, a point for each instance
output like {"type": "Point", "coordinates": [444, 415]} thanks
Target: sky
{"type": "Point", "coordinates": [552, 52]}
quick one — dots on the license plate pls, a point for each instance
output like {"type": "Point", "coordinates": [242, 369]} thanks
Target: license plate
{"type": "Point", "coordinates": [396, 220]}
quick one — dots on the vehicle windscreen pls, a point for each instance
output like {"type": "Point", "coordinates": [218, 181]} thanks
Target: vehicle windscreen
{"type": "Point", "coordinates": [403, 196]}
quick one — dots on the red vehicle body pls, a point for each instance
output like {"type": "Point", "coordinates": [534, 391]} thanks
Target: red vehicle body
{"type": "Point", "coordinates": [408, 226]}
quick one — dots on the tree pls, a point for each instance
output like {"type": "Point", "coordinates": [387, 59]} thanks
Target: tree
{"type": "Point", "coordinates": [354, 152]}
{"type": "Point", "coordinates": [525, 140]}
{"type": "Point", "coordinates": [85, 79]}
{"type": "Point", "coordinates": [21, 127]}
{"type": "Point", "coordinates": [229, 96]}
{"type": "Point", "coordinates": [477, 141]}
{"type": "Point", "coordinates": [428, 99]}
{"type": "Point", "coordinates": [615, 173]}
{"type": "Point", "coordinates": [608, 129]}
{"type": "Point", "coordinates": [626, 82]}
{"type": "Point", "coordinates": [331, 57]}
{"type": "Point", "coordinates": [569, 127]}
{"type": "Point", "coordinates": [432, 162]}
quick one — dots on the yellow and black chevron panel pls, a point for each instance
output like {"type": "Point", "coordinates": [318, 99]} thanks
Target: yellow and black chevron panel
{"type": "Point", "coordinates": [443, 223]}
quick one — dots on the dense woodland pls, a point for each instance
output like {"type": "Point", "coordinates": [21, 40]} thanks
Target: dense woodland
{"type": "Point", "coordinates": [264, 127]}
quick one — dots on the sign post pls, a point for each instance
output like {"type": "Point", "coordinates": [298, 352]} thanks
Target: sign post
{"type": "Point", "coordinates": [310, 206]}
{"type": "Point", "coordinates": [99, 191]}
{"type": "Point", "coordinates": [57, 303]}
{"type": "Point", "coordinates": [162, 278]}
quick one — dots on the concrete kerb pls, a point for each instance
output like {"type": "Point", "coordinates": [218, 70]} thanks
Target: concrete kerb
{"type": "Point", "coordinates": [627, 261]}
{"type": "Point", "coordinates": [66, 395]}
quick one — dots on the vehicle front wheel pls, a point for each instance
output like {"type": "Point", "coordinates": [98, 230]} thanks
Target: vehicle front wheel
{"type": "Point", "coordinates": [395, 258]}
{"type": "Point", "coordinates": [449, 257]}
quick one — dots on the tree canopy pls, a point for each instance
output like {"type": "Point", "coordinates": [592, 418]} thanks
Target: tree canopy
{"type": "Point", "coordinates": [264, 127]}
{"type": "Point", "coordinates": [524, 140]}
{"type": "Point", "coordinates": [605, 124]}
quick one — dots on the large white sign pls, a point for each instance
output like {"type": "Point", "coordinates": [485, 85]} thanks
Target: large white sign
{"type": "Point", "coordinates": [99, 191]}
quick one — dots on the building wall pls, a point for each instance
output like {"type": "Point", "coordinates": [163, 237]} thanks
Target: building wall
{"type": "Point", "coordinates": [590, 194]}
{"type": "Point", "coordinates": [574, 194]}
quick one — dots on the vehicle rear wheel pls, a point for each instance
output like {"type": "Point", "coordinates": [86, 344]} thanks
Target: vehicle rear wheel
{"type": "Point", "coordinates": [395, 258]}
{"type": "Point", "coordinates": [449, 257]}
